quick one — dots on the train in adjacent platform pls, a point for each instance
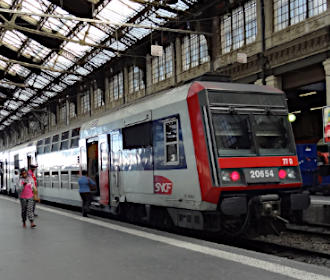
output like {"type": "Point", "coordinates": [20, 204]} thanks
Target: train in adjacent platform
{"type": "Point", "coordinates": [208, 156]}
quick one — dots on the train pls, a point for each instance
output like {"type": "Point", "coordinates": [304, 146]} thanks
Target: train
{"type": "Point", "coordinates": [208, 156]}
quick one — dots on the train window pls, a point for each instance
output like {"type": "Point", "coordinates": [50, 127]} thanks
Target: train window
{"type": "Point", "coordinates": [47, 179]}
{"type": "Point", "coordinates": [65, 140]}
{"type": "Point", "coordinates": [64, 145]}
{"type": "Point", "coordinates": [65, 135]}
{"type": "Point", "coordinates": [56, 138]}
{"type": "Point", "coordinates": [47, 141]}
{"type": "Point", "coordinates": [75, 137]}
{"type": "Point", "coordinates": [16, 162]}
{"type": "Point", "coordinates": [40, 148]}
{"type": "Point", "coordinates": [272, 134]}
{"type": "Point", "coordinates": [74, 142]}
{"type": "Point", "coordinates": [55, 144]}
{"type": "Point", "coordinates": [74, 179]}
{"type": "Point", "coordinates": [47, 149]}
{"type": "Point", "coordinates": [171, 138]}
{"type": "Point", "coordinates": [233, 134]}
{"type": "Point", "coordinates": [137, 136]}
{"type": "Point", "coordinates": [75, 132]}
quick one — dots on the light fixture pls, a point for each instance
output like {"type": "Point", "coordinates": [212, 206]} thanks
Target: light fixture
{"type": "Point", "coordinates": [316, 108]}
{"type": "Point", "coordinates": [295, 112]}
{"type": "Point", "coordinates": [307, 94]}
{"type": "Point", "coordinates": [291, 117]}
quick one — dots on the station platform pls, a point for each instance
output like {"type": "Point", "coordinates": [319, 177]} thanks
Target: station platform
{"type": "Point", "coordinates": [319, 211]}
{"type": "Point", "coordinates": [65, 245]}
{"type": "Point", "coordinates": [320, 200]}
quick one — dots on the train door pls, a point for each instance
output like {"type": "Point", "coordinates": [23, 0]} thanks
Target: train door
{"type": "Point", "coordinates": [93, 163]}
{"type": "Point", "coordinates": [115, 158]}
{"type": "Point", "coordinates": [103, 163]}
{"type": "Point", "coordinates": [2, 187]}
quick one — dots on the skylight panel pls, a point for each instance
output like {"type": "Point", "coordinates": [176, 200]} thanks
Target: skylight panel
{"type": "Point", "coordinates": [82, 71]}
{"type": "Point", "coordinates": [119, 10]}
{"type": "Point", "coordinates": [7, 84]}
{"type": "Point", "coordinates": [117, 45]}
{"type": "Point", "coordinates": [77, 49]}
{"type": "Point", "coordinates": [40, 100]}
{"type": "Point", "coordinates": [10, 2]}
{"type": "Point", "coordinates": [60, 25]}
{"type": "Point", "coordinates": [34, 6]}
{"type": "Point", "coordinates": [94, 35]}
{"type": "Point", "coordinates": [3, 64]}
{"type": "Point", "coordinates": [13, 105]}
{"type": "Point", "coordinates": [71, 79]}
{"type": "Point", "coordinates": [35, 50]}
{"type": "Point", "coordinates": [20, 70]}
{"type": "Point", "coordinates": [100, 59]}
{"type": "Point", "coordinates": [166, 13]}
{"type": "Point", "coordinates": [49, 94]}
{"type": "Point", "coordinates": [25, 95]}
{"type": "Point", "coordinates": [180, 5]}
{"type": "Point", "coordinates": [58, 88]}
{"type": "Point", "coordinates": [4, 112]}
{"type": "Point", "coordinates": [139, 32]}
{"type": "Point", "coordinates": [59, 62]}
{"type": "Point", "coordinates": [40, 82]}
{"type": "Point", "coordinates": [25, 109]}
{"type": "Point", "coordinates": [14, 38]}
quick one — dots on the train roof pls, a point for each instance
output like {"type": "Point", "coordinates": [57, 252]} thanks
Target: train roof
{"type": "Point", "coordinates": [141, 109]}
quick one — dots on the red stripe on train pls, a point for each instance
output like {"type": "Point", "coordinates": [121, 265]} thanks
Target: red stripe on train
{"type": "Point", "coordinates": [208, 193]}
{"type": "Point", "coordinates": [240, 162]}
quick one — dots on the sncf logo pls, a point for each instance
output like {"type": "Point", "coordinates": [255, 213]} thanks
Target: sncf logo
{"type": "Point", "coordinates": [162, 185]}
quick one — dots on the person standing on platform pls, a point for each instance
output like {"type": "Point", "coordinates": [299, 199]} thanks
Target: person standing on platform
{"type": "Point", "coordinates": [25, 187]}
{"type": "Point", "coordinates": [31, 173]}
{"type": "Point", "coordinates": [85, 185]}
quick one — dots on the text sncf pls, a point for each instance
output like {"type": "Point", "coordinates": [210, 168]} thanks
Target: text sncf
{"type": "Point", "coordinates": [162, 185]}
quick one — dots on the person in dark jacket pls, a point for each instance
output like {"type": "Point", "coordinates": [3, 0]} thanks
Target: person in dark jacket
{"type": "Point", "coordinates": [85, 184]}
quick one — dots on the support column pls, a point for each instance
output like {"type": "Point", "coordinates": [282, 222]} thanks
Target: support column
{"type": "Point", "coordinates": [326, 65]}
{"type": "Point", "coordinates": [274, 81]}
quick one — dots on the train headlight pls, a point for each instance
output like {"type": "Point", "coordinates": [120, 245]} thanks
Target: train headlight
{"type": "Point", "coordinates": [225, 176]}
{"type": "Point", "coordinates": [291, 174]}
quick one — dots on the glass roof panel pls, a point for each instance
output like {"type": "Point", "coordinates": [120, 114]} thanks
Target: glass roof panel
{"type": "Point", "coordinates": [60, 25]}
{"type": "Point", "coordinates": [35, 50]}
{"type": "Point", "coordinates": [71, 79]}
{"type": "Point", "coordinates": [76, 49]}
{"type": "Point", "coordinates": [4, 112]}
{"type": "Point", "coordinates": [119, 10]}
{"type": "Point", "coordinates": [34, 6]}
{"type": "Point", "coordinates": [20, 70]}
{"type": "Point", "coordinates": [59, 62]}
{"type": "Point", "coordinates": [14, 38]}
{"type": "Point", "coordinates": [82, 71]}
{"type": "Point", "coordinates": [3, 64]}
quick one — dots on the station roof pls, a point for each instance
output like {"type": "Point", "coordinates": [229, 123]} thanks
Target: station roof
{"type": "Point", "coordinates": [47, 46]}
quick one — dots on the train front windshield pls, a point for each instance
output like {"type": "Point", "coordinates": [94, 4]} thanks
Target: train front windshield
{"type": "Point", "coordinates": [251, 134]}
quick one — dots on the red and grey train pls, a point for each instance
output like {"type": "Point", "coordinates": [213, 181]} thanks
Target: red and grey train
{"type": "Point", "coordinates": [208, 156]}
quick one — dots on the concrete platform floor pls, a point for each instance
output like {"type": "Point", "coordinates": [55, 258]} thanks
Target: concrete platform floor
{"type": "Point", "coordinates": [68, 246]}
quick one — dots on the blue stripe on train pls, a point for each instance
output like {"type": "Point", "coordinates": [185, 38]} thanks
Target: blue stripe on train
{"type": "Point", "coordinates": [149, 158]}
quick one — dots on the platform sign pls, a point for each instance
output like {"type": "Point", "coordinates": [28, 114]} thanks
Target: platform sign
{"type": "Point", "coordinates": [326, 124]}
